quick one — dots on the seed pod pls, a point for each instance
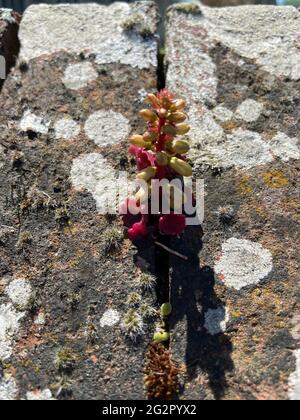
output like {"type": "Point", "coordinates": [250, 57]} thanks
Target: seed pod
{"type": "Point", "coordinates": [147, 174]}
{"type": "Point", "coordinates": [181, 147]}
{"type": "Point", "coordinates": [153, 100]}
{"type": "Point", "coordinates": [181, 167]}
{"type": "Point", "coordinates": [160, 337]}
{"type": "Point", "coordinates": [182, 128]}
{"type": "Point", "coordinates": [169, 129]}
{"type": "Point", "coordinates": [180, 104]}
{"type": "Point", "coordinates": [139, 141]}
{"type": "Point", "coordinates": [149, 136]}
{"type": "Point", "coordinates": [165, 310]}
{"type": "Point", "coordinates": [177, 117]}
{"type": "Point", "coordinates": [162, 158]}
{"type": "Point", "coordinates": [148, 115]}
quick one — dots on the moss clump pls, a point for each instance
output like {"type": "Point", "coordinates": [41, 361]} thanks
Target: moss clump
{"type": "Point", "coordinates": [147, 311]}
{"type": "Point", "coordinates": [161, 374]}
{"type": "Point", "coordinates": [24, 240]}
{"type": "Point", "coordinates": [133, 325]}
{"type": "Point", "coordinates": [61, 216]}
{"type": "Point", "coordinates": [134, 299]}
{"type": "Point", "coordinates": [147, 281]}
{"type": "Point", "coordinates": [112, 240]}
{"type": "Point", "coordinates": [189, 8]}
{"type": "Point", "coordinates": [137, 23]}
{"type": "Point", "coordinates": [65, 359]}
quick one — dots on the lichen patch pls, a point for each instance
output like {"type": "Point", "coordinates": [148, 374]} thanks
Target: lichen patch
{"type": "Point", "coordinates": [242, 149]}
{"type": "Point", "coordinates": [222, 114]}
{"type": "Point", "coordinates": [107, 127]}
{"type": "Point", "coordinates": [34, 123]}
{"type": "Point", "coordinates": [285, 147]}
{"type": "Point", "coordinates": [78, 75]}
{"type": "Point", "coordinates": [9, 326]}
{"type": "Point", "coordinates": [249, 110]}
{"type": "Point", "coordinates": [243, 263]}
{"type": "Point", "coordinates": [8, 388]}
{"type": "Point", "coordinates": [66, 128]}
{"type": "Point", "coordinates": [39, 395]}
{"type": "Point", "coordinates": [216, 320]}
{"type": "Point", "coordinates": [110, 318]}
{"type": "Point", "coordinates": [20, 293]}
{"type": "Point", "coordinates": [294, 382]}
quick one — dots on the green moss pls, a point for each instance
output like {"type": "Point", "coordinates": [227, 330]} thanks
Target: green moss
{"type": "Point", "coordinates": [138, 24]}
{"type": "Point", "coordinates": [189, 8]}
{"type": "Point", "coordinates": [61, 216]}
{"type": "Point", "coordinates": [147, 281]}
{"type": "Point", "coordinates": [134, 299]}
{"type": "Point", "coordinates": [24, 240]}
{"type": "Point", "coordinates": [65, 359]}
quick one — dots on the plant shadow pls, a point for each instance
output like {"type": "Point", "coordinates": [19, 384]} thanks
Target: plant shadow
{"type": "Point", "coordinates": [192, 295]}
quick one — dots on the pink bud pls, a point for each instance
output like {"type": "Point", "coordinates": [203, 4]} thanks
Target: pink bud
{"type": "Point", "coordinates": [138, 231]}
{"type": "Point", "coordinates": [172, 224]}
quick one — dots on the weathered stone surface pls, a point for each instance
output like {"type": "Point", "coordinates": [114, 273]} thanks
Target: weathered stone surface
{"type": "Point", "coordinates": [236, 306]}
{"type": "Point", "coordinates": [66, 111]}
{"type": "Point", "coordinates": [9, 44]}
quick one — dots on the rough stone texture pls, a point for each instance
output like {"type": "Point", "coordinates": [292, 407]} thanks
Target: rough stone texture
{"type": "Point", "coordinates": [9, 44]}
{"type": "Point", "coordinates": [67, 343]}
{"type": "Point", "coordinates": [241, 78]}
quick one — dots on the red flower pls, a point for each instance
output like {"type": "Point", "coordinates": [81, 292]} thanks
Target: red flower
{"type": "Point", "coordinates": [138, 231]}
{"type": "Point", "coordinates": [172, 224]}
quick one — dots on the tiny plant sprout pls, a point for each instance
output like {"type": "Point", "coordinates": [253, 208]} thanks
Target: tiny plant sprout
{"type": "Point", "coordinates": [165, 310]}
{"type": "Point", "coordinates": [133, 325]}
{"type": "Point", "coordinates": [134, 299]}
{"type": "Point", "coordinates": [160, 156]}
{"type": "Point", "coordinates": [147, 281]}
{"type": "Point", "coordinates": [112, 240]}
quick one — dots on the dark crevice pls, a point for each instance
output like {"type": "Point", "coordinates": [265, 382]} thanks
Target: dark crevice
{"type": "Point", "coordinates": [10, 45]}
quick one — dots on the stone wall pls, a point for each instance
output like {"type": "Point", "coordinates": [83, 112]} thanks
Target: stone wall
{"type": "Point", "coordinates": [67, 273]}
{"type": "Point", "coordinates": [236, 303]}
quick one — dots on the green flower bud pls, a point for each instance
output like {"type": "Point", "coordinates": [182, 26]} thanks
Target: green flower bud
{"type": "Point", "coordinates": [165, 310]}
{"type": "Point", "coordinates": [181, 167]}
{"type": "Point", "coordinates": [161, 337]}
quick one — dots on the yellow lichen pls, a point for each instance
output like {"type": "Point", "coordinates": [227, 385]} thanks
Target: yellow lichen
{"type": "Point", "coordinates": [275, 179]}
{"type": "Point", "coordinates": [244, 186]}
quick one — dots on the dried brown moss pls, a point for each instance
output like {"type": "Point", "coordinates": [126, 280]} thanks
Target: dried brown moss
{"type": "Point", "coordinates": [160, 374]}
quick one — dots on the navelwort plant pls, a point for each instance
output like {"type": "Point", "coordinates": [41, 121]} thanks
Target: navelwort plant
{"type": "Point", "coordinates": [160, 155]}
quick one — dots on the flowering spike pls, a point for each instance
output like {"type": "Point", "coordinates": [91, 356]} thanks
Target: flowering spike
{"type": "Point", "coordinates": [160, 156]}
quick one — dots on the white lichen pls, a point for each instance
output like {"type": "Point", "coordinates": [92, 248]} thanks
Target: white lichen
{"type": "Point", "coordinates": [222, 113]}
{"type": "Point", "coordinates": [110, 318]}
{"type": "Point", "coordinates": [107, 127]}
{"type": "Point", "coordinates": [242, 149]}
{"type": "Point", "coordinates": [7, 15]}
{"type": "Point", "coordinates": [243, 263]}
{"type": "Point", "coordinates": [285, 147]}
{"type": "Point", "coordinates": [20, 293]}
{"type": "Point", "coordinates": [9, 327]}
{"type": "Point", "coordinates": [66, 128]}
{"type": "Point", "coordinates": [89, 28]}
{"type": "Point", "coordinates": [34, 123]}
{"type": "Point", "coordinates": [79, 75]}
{"type": "Point", "coordinates": [39, 395]}
{"type": "Point", "coordinates": [216, 320]}
{"type": "Point", "coordinates": [249, 110]}
{"type": "Point", "coordinates": [294, 382]}
{"type": "Point", "coordinates": [8, 388]}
